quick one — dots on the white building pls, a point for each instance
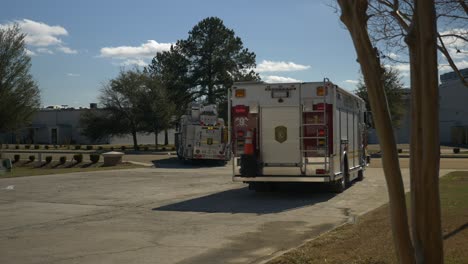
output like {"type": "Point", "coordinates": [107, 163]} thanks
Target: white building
{"type": "Point", "coordinates": [453, 109]}
{"type": "Point", "coordinates": [61, 126]}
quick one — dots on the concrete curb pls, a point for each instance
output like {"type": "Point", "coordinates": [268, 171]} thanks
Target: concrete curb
{"type": "Point", "coordinates": [141, 163]}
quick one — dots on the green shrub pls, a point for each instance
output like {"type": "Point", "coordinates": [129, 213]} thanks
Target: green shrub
{"type": "Point", "coordinates": [89, 147]}
{"type": "Point", "coordinates": [37, 147]}
{"type": "Point", "coordinates": [6, 146]}
{"type": "Point", "coordinates": [16, 147]}
{"type": "Point", "coordinates": [456, 150]}
{"type": "Point", "coordinates": [32, 158]}
{"type": "Point", "coordinates": [400, 150]}
{"type": "Point", "coordinates": [112, 148]}
{"type": "Point", "coordinates": [173, 148]}
{"type": "Point", "coordinates": [27, 146]}
{"type": "Point", "coordinates": [63, 159]}
{"type": "Point", "coordinates": [78, 158]}
{"type": "Point", "coordinates": [146, 148]}
{"type": "Point", "coordinates": [46, 147]}
{"type": "Point", "coordinates": [163, 148]}
{"type": "Point", "coordinates": [16, 158]}
{"type": "Point", "coordinates": [123, 148]}
{"type": "Point", "coordinates": [1, 146]}
{"type": "Point", "coordinates": [78, 147]}
{"type": "Point", "coordinates": [48, 159]}
{"type": "Point", "coordinates": [55, 147]}
{"type": "Point", "coordinates": [100, 148]}
{"type": "Point", "coordinates": [94, 158]}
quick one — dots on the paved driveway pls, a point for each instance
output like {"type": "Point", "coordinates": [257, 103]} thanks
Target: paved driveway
{"type": "Point", "coordinates": [166, 215]}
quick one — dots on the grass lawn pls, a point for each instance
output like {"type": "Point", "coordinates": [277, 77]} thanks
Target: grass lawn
{"type": "Point", "coordinates": [28, 169]}
{"type": "Point", "coordinates": [370, 240]}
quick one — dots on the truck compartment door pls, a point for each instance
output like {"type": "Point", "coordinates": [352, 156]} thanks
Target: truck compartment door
{"type": "Point", "coordinates": [279, 137]}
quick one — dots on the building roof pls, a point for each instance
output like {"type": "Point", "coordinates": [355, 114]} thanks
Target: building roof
{"type": "Point", "coordinates": [450, 76]}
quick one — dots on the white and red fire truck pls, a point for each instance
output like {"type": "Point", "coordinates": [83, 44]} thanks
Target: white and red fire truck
{"type": "Point", "coordinates": [201, 135]}
{"type": "Point", "coordinates": [296, 132]}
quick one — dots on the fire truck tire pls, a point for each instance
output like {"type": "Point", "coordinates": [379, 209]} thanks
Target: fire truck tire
{"type": "Point", "coordinates": [339, 186]}
{"type": "Point", "coordinates": [360, 175]}
{"type": "Point", "coordinates": [347, 182]}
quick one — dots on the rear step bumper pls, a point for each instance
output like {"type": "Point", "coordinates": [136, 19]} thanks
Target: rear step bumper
{"type": "Point", "coordinates": [267, 178]}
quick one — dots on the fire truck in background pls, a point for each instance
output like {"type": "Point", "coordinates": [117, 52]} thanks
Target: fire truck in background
{"type": "Point", "coordinates": [201, 135]}
{"type": "Point", "coordinates": [296, 132]}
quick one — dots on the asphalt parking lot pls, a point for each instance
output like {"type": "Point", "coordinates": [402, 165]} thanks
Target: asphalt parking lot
{"type": "Point", "coordinates": [169, 214]}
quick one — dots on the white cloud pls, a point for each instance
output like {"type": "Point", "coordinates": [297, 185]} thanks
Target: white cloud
{"type": "Point", "coordinates": [136, 62]}
{"type": "Point", "coordinates": [454, 44]}
{"type": "Point", "coordinates": [42, 35]}
{"type": "Point", "coordinates": [67, 50]}
{"type": "Point", "coordinates": [392, 55]}
{"type": "Point", "coordinates": [44, 51]}
{"type": "Point", "coordinates": [145, 50]}
{"type": "Point", "coordinates": [278, 79]}
{"type": "Point", "coordinates": [280, 66]}
{"type": "Point", "coordinates": [30, 53]}
{"type": "Point", "coordinates": [460, 65]}
{"type": "Point", "coordinates": [73, 74]}
{"type": "Point", "coordinates": [351, 81]}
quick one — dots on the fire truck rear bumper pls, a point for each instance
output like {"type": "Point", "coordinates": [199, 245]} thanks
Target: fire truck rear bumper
{"type": "Point", "coordinates": [267, 178]}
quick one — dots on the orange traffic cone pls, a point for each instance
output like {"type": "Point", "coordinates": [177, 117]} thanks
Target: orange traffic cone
{"type": "Point", "coordinates": [248, 145]}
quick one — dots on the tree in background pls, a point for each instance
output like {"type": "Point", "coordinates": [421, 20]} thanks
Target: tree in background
{"type": "Point", "coordinates": [393, 87]}
{"type": "Point", "coordinates": [217, 59]}
{"type": "Point", "coordinates": [421, 36]}
{"type": "Point", "coordinates": [205, 65]}
{"type": "Point", "coordinates": [171, 70]}
{"type": "Point", "coordinates": [390, 22]}
{"type": "Point", "coordinates": [19, 93]}
{"type": "Point", "coordinates": [158, 110]}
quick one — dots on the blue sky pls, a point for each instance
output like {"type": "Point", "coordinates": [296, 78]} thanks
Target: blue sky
{"type": "Point", "coordinates": [76, 46]}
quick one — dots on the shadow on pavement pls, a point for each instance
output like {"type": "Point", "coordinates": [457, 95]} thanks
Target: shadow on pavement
{"type": "Point", "coordinates": [175, 163]}
{"type": "Point", "coordinates": [244, 200]}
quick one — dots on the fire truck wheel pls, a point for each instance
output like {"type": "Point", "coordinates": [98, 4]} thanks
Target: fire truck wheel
{"type": "Point", "coordinates": [360, 175]}
{"type": "Point", "coordinates": [339, 186]}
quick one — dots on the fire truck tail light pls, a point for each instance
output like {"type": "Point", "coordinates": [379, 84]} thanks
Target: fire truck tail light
{"type": "Point", "coordinates": [321, 133]}
{"type": "Point", "coordinates": [320, 171]}
{"type": "Point", "coordinates": [321, 91]}
{"type": "Point", "coordinates": [240, 93]}
{"type": "Point", "coordinates": [240, 109]}
{"type": "Point", "coordinates": [240, 133]}
{"type": "Point", "coordinates": [319, 107]}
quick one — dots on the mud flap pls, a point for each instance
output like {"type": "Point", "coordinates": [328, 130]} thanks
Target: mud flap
{"type": "Point", "coordinates": [248, 165]}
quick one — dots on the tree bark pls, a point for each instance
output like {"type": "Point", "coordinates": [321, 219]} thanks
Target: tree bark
{"type": "Point", "coordinates": [156, 139]}
{"type": "Point", "coordinates": [135, 141]}
{"type": "Point", "coordinates": [425, 150]}
{"type": "Point", "coordinates": [354, 16]}
{"type": "Point", "coordinates": [166, 138]}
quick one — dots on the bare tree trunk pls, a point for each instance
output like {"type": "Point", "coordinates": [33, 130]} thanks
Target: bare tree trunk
{"type": "Point", "coordinates": [354, 16]}
{"type": "Point", "coordinates": [425, 149]}
{"type": "Point", "coordinates": [155, 139]}
{"type": "Point", "coordinates": [166, 138]}
{"type": "Point", "coordinates": [135, 141]}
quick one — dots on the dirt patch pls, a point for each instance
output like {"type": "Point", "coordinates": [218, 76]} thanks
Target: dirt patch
{"type": "Point", "coordinates": [370, 240]}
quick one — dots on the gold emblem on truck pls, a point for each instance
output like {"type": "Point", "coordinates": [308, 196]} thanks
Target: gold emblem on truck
{"type": "Point", "coordinates": [281, 134]}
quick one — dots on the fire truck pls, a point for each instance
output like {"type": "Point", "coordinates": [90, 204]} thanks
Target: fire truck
{"type": "Point", "coordinates": [201, 135]}
{"type": "Point", "coordinates": [296, 132]}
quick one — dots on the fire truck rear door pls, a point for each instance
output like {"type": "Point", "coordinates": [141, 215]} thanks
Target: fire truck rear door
{"type": "Point", "coordinates": [279, 137]}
